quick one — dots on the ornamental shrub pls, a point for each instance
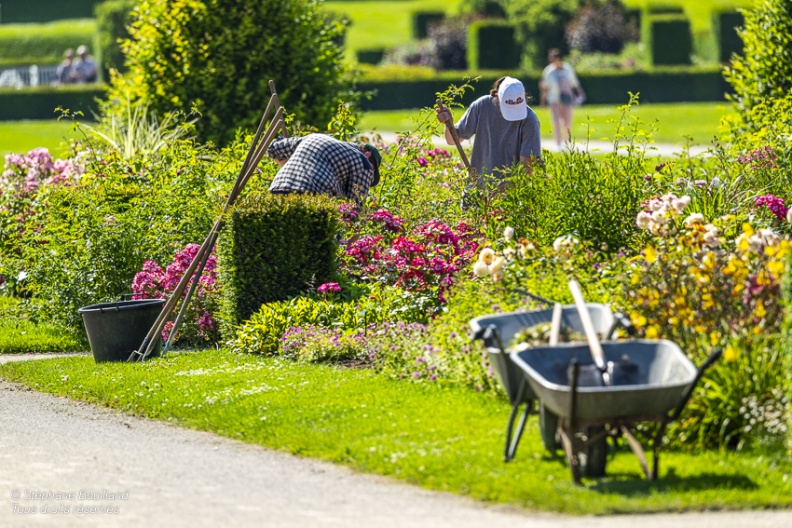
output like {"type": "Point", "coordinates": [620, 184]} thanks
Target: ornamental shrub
{"type": "Point", "coordinates": [762, 74]}
{"type": "Point", "coordinates": [601, 26]}
{"type": "Point", "coordinates": [22, 185]}
{"type": "Point", "coordinates": [219, 55]}
{"type": "Point", "coordinates": [708, 285]}
{"type": "Point", "coordinates": [96, 234]}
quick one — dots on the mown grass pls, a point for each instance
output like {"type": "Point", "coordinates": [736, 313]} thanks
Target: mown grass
{"type": "Point", "coordinates": [20, 137]}
{"type": "Point", "coordinates": [672, 122]}
{"type": "Point", "coordinates": [443, 438]}
{"type": "Point", "coordinates": [19, 334]}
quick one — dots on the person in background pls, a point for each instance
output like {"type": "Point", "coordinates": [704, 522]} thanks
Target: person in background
{"type": "Point", "coordinates": [85, 66]}
{"type": "Point", "coordinates": [321, 164]}
{"type": "Point", "coordinates": [506, 130]}
{"type": "Point", "coordinates": [65, 73]}
{"type": "Point", "coordinates": [560, 88]}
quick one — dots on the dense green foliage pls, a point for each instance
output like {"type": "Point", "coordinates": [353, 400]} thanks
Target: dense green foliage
{"type": "Point", "coordinates": [273, 248]}
{"type": "Point", "coordinates": [762, 74]}
{"type": "Point", "coordinates": [91, 238]}
{"type": "Point", "coordinates": [219, 55]}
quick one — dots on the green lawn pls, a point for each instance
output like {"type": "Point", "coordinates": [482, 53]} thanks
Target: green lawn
{"type": "Point", "coordinates": [21, 136]}
{"type": "Point", "coordinates": [674, 122]}
{"type": "Point", "coordinates": [367, 18]}
{"type": "Point", "coordinates": [442, 438]}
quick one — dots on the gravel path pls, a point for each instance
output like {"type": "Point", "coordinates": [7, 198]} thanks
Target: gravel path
{"type": "Point", "coordinates": [58, 454]}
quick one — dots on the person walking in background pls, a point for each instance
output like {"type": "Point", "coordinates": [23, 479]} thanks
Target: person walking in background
{"type": "Point", "coordinates": [85, 66]}
{"type": "Point", "coordinates": [560, 88]}
{"type": "Point", "coordinates": [65, 73]}
{"type": "Point", "coordinates": [506, 130]}
{"type": "Point", "coordinates": [318, 163]}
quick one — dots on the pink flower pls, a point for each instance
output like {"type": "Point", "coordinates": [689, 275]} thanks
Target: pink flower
{"type": "Point", "coordinates": [329, 287]}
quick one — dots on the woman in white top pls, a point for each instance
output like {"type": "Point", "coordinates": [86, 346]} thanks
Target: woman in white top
{"type": "Point", "coordinates": [561, 90]}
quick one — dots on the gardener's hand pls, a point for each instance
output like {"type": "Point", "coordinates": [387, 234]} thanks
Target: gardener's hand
{"type": "Point", "coordinates": [444, 115]}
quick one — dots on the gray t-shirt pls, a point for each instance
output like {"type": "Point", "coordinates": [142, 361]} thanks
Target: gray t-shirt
{"type": "Point", "coordinates": [498, 143]}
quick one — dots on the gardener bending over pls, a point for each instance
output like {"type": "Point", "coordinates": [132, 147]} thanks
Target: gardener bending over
{"type": "Point", "coordinates": [318, 163]}
{"type": "Point", "coordinates": [506, 129]}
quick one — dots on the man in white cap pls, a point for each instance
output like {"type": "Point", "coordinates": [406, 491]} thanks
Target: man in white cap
{"type": "Point", "coordinates": [85, 66]}
{"type": "Point", "coordinates": [506, 129]}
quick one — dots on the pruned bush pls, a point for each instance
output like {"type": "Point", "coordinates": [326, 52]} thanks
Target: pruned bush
{"type": "Point", "coordinates": [221, 55]}
{"type": "Point", "coordinates": [449, 40]}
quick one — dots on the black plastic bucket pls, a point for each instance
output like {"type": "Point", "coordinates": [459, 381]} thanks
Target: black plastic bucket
{"type": "Point", "coordinates": [117, 329]}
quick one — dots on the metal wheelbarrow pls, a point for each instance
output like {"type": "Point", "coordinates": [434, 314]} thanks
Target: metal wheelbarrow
{"type": "Point", "coordinates": [663, 383]}
{"type": "Point", "coordinates": [496, 331]}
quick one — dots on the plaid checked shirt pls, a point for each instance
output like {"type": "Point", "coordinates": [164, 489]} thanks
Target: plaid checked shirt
{"type": "Point", "coordinates": [321, 164]}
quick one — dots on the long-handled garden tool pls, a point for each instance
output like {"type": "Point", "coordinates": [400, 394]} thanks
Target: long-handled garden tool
{"type": "Point", "coordinates": [261, 141]}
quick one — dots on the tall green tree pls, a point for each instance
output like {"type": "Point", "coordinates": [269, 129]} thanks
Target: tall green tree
{"type": "Point", "coordinates": [218, 56]}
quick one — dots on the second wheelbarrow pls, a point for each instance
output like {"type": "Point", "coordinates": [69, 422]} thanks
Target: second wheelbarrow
{"type": "Point", "coordinates": [496, 331]}
{"type": "Point", "coordinates": [663, 381]}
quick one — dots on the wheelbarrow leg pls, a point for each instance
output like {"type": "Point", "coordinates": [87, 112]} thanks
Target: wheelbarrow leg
{"type": "Point", "coordinates": [636, 447]}
{"type": "Point", "coordinates": [569, 434]}
{"type": "Point", "coordinates": [513, 437]}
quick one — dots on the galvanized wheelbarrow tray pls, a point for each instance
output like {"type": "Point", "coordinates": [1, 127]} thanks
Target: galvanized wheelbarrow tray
{"type": "Point", "coordinates": [496, 331]}
{"type": "Point", "coordinates": [661, 384]}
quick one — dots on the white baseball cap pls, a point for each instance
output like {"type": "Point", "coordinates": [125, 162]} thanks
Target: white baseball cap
{"type": "Point", "coordinates": [511, 97]}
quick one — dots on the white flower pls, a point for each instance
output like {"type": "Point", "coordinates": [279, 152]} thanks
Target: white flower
{"type": "Point", "coordinates": [487, 255]}
{"type": "Point", "coordinates": [480, 269]}
{"type": "Point", "coordinates": [694, 219]}
{"type": "Point", "coordinates": [789, 215]}
{"type": "Point", "coordinates": [643, 220]}
{"type": "Point", "coordinates": [659, 216]}
{"type": "Point", "coordinates": [769, 238]}
{"type": "Point", "coordinates": [563, 242]}
{"type": "Point", "coordinates": [509, 253]}
{"type": "Point", "coordinates": [716, 182]}
{"type": "Point", "coordinates": [508, 233]}
{"type": "Point", "coordinates": [497, 276]}
{"type": "Point", "coordinates": [497, 264]}
{"type": "Point", "coordinates": [711, 236]}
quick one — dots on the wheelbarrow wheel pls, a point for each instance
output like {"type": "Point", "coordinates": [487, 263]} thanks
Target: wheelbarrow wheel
{"type": "Point", "coordinates": [548, 428]}
{"type": "Point", "coordinates": [594, 457]}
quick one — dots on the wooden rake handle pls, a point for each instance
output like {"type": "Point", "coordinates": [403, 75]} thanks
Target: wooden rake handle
{"type": "Point", "coordinates": [455, 135]}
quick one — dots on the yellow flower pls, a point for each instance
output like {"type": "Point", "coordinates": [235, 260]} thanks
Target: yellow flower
{"type": "Point", "coordinates": [638, 320]}
{"type": "Point", "coordinates": [650, 254]}
{"type": "Point", "coordinates": [714, 338]}
{"type": "Point", "coordinates": [652, 332]}
{"type": "Point", "coordinates": [729, 354]}
{"type": "Point", "coordinates": [760, 310]}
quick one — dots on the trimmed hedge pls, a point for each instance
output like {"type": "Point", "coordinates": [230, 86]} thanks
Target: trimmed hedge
{"type": "Point", "coordinates": [25, 11]}
{"type": "Point", "coordinates": [492, 45]}
{"type": "Point", "coordinates": [370, 56]}
{"type": "Point", "coordinates": [668, 39]}
{"type": "Point", "coordinates": [41, 102]}
{"type": "Point", "coordinates": [421, 20]}
{"type": "Point", "coordinates": [724, 29]}
{"type": "Point", "coordinates": [273, 248]}
{"type": "Point", "coordinates": [664, 85]}
{"type": "Point", "coordinates": [43, 44]}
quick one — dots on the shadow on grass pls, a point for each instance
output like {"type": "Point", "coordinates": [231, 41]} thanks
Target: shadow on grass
{"type": "Point", "coordinates": [635, 485]}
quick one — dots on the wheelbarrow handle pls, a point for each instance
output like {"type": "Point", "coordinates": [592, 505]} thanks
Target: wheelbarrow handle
{"type": "Point", "coordinates": [621, 320]}
{"type": "Point", "coordinates": [490, 336]}
{"type": "Point", "coordinates": [713, 357]}
{"type": "Point", "coordinates": [535, 297]}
